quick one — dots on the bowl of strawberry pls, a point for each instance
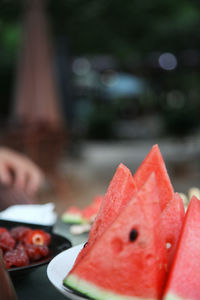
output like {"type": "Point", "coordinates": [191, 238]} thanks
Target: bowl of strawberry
{"type": "Point", "coordinates": [24, 247]}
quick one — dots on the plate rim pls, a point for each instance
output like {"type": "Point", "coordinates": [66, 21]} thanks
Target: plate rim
{"type": "Point", "coordinates": [66, 292]}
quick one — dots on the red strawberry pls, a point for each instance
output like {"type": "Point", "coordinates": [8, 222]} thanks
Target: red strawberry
{"type": "Point", "coordinates": [16, 258]}
{"type": "Point", "coordinates": [35, 252]}
{"type": "Point", "coordinates": [6, 241]}
{"type": "Point", "coordinates": [2, 229]}
{"type": "Point", "coordinates": [19, 233]}
{"type": "Point", "coordinates": [38, 237]}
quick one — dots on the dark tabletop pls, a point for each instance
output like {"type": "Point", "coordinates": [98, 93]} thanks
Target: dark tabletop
{"type": "Point", "coordinates": [35, 284]}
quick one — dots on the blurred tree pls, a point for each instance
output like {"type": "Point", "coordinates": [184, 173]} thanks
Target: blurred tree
{"type": "Point", "coordinates": [128, 30]}
{"type": "Point", "coordinates": [124, 27]}
{"type": "Point", "coordinates": [119, 27]}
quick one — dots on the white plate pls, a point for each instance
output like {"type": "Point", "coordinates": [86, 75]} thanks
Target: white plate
{"type": "Point", "coordinates": [59, 267]}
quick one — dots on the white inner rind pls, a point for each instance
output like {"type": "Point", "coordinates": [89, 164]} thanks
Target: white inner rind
{"type": "Point", "coordinates": [72, 218]}
{"type": "Point", "coordinates": [171, 296]}
{"type": "Point", "coordinates": [95, 292]}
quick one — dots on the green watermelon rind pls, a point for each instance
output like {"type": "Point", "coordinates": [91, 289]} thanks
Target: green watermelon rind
{"type": "Point", "coordinates": [73, 219]}
{"type": "Point", "coordinates": [94, 292]}
{"type": "Point", "coordinates": [171, 296]}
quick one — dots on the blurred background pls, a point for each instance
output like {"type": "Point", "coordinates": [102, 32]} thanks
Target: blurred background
{"type": "Point", "coordinates": [85, 85]}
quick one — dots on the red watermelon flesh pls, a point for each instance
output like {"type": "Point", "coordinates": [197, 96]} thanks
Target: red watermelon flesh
{"type": "Point", "coordinates": [154, 163]}
{"type": "Point", "coordinates": [128, 261]}
{"type": "Point", "coordinates": [120, 191]}
{"type": "Point", "coordinates": [89, 213]}
{"type": "Point", "coordinates": [172, 221]}
{"type": "Point", "coordinates": [184, 277]}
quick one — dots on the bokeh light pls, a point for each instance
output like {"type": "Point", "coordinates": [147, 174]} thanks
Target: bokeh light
{"type": "Point", "coordinates": [81, 66]}
{"type": "Point", "coordinates": [167, 61]}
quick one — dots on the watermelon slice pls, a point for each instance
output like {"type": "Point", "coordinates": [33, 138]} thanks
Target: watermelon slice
{"type": "Point", "coordinates": [172, 221]}
{"type": "Point", "coordinates": [89, 213]}
{"type": "Point", "coordinates": [184, 278]}
{"type": "Point", "coordinates": [154, 163]}
{"type": "Point", "coordinates": [128, 261]}
{"type": "Point", "coordinates": [120, 191]}
{"type": "Point", "coordinates": [123, 184]}
{"type": "Point", "coordinates": [74, 215]}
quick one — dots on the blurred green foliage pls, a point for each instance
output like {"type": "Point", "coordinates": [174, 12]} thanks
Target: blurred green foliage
{"type": "Point", "coordinates": [116, 26]}
{"type": "Point", "coordinates": [125, 27]}
{"type": "Point", "coordinates": [129, 31]}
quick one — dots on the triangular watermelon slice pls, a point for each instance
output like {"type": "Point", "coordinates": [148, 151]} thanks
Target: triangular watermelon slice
{"type": "Point", "coordinates": [154, 163]}
{"type": "Point", "coordinates": [172, 219]}
{"type": "Point", "coordinates": [128, 261]}
{"type": "Point", "coordinates": [184, 278]}
{"type": "Point", "coordinates": [120, 191]}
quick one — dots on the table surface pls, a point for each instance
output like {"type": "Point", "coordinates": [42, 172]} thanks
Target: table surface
{"type": "Point", "coordinates": [36, 285]}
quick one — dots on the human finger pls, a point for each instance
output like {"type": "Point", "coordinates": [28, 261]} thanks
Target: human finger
{"type": "Point", "coordinates": [5, 175]}
{"type": "Point", "coordinates": [34, 180]}
{"type": "Point", "coordinates": [20, 177]}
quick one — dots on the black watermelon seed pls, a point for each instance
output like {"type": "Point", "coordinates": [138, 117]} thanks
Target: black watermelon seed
{"type": "Point", "coordinates": [133, 235]}
{"type": "Point", "coordinates": [85, 244]}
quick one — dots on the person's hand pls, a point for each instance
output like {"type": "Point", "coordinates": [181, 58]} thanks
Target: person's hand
{"type": "Point", "coordinates": [19, 171]}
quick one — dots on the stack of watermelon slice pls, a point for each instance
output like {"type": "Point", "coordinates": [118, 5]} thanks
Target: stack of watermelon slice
{"type": "Point", "coordinates": [139, 240]}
